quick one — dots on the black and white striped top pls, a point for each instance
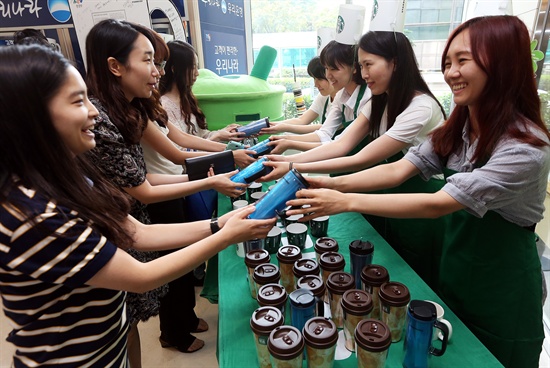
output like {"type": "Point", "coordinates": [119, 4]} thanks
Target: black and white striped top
{"type": "Point", "coordinates": [57, 319]}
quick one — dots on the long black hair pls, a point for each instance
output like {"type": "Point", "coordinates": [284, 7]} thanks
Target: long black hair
{"type": "Point", "coordinates": [335, 54]}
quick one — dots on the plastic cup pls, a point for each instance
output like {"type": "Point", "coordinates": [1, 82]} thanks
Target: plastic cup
{"type": "Point", "coordinates": [253, 259]}
{"type": "Point", "coordinates": [263, 321]}
{"type": "Point", "coordinates": [394, 297]}
{"type": "Point", "coordinates": [320, 335]}
{"type": "Point", "coordinates": [337, 284]}
{"type": "Point", "coordinates": [373, 340]}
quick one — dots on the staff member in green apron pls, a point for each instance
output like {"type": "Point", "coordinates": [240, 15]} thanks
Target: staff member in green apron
{"type": "Point", "coordinates": [318, 109]}
{"type": "Point", "coordinates": [344, 75]}
{"type": "Point", "coordinates": [494, 151]}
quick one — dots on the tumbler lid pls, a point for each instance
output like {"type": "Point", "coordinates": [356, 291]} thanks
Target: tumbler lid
{"type": "Point", "coordinates": [288, 254]}
{"type": "Point", "coordinates": [338, 282]}
{"type": "Point", "coordinates": [357, 302]}
{"type": "Point", "coordinates": [302, 298]}
{"type": "Point", "coordinates": [394, 294]}
{"type": "Point", "coordinates": [255, 257]}
{"type": "Point", "coordinates": [266, 273]}
{"type": "Point", "coordinates": [312, 282]}
{"type": "Point", "coordinates": [361, 247]}
{"type": "Point", "coordinates": [285, 342]}
{"type": "Point", "coordinates": [332, 261]}
{"type": "Point", "coordinates": [374, 275]}
{"type": "Point", "coordinates": [299, 177]}
{"type": "Point", "coordinates": [422, 310]}
{"type": "Point", "coordinates": [265, 319]}
{"type": "Point", "coordinates": [326, 244]}
{"type": "Point", "coordinates": [305, 266]}
{"type": "Point", "coordinates": [373, 335]}
{"type": "Point", "coordinates": [320, 333]}
{"type": "Point", "coordinates": [272, 294]}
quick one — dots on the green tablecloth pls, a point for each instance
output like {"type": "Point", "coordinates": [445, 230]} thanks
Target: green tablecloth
{"type": "Point", "coordinates": [236, 347]}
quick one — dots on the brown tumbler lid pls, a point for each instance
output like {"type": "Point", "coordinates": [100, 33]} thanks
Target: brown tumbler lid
{"type": "Point", "coordinates": [325, 244]}
{"type": "Point", "coordinates": [374, 275]}
{"type": "Point", "coordinates": [266, 273]}
{"type": "Point", "coordinates": [285, 342]}
{"type": "Point", "coordinates": [332, 261]}
{"type": "Point", "coordinates": [312, 282]}
{"type": "Point", "coordinates": [289, 254]}
{"type": "Point", "coordinates": [394, 294]}
{"type": "Point", "coordinates": [340, 281]}
{"type": "Point", "coordinates": [304, 267]}
{"type": "Point", "coordinates": [357, 302]}
{"type": "Point", "coordinates": [265, 319]}
{"type": "Point", "coordinates": [272, 295]}
{"type": "Point", "coordinates": [373, 335]}
{"type": "Point", "coordinates": [256, 257]}
{"type": "Point", "coordinates": [320, 333]}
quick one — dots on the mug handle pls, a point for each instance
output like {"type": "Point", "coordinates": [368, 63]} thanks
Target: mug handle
{"type": "Point", "coordinates": [449, 327]}
{"type": "Point", "coordinates": [445, 331]}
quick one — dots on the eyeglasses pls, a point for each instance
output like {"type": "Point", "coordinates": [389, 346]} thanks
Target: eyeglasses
{"type": "Point", "coordinates": [160, 65]}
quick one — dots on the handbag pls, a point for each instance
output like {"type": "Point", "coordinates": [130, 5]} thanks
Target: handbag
{"type": "Point", "coordinates": [198, 167]}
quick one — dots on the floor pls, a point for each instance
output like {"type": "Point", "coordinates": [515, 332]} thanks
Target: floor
{"type": "Point", "coordinates": [154, 356]}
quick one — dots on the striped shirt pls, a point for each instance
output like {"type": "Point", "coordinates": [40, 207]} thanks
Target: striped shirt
{"type": "Point", "coordinates": [57, 319]}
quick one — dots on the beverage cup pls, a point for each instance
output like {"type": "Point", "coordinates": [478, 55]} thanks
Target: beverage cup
{"type": "Point", "coordinates": [421, 320]}
{"type": "Point", "coordinates": [320, 335]}
{"type": "Point", "coordinates": [256, 196]}
{"type": "Point", "coordinates": [323, 245]}
{"type": "Point", "coordinates": [302, 307]}
{"type": "Point", "coordinates": [266, 273]}
{"type": "Point", "coordinates": [252, 259]}
{"type": "Point", "coordinates": [240, 203]}
{"type": "Point", "coordinates": [394, 297]}
{"type": "Point", "coordinates": [272, 242]}
{"type": "Point", "coordinates": [319, 226]}
{"type": "Point", "coordinates": [253, 188]}
{"type": "Point", "coordinates": [253, 127]}
{"type": "Point", "coordinates": [373, 340]}
{"type": "Point", "coordinates": [356, 306]}
{"type": "Point", "coordinates": [252, 172]}
{"type": "Point", "coordinates": [337, 284]}
{"type": "Point", "coordinates": [360, 254]}
{"type": "Point", "coordinates": [275, 200]}
{"type": "Point", "coordinates": [297, 235]}
{"type": "Point", "coordinates": [372, 277]}
{"type": "Point", "coordinates": [262, 148]}
{"type": "Point", "coordinates": [287, 255]}
{"type": "Point", "coordinates": [242, 197]}
{"type": "Point", "coordinates": [273, 295]}
{"type": "Point", "coordinates": [318, 288]}
{"type": "Point", "coordinates": [252, 244]}
{"type": "Point", "coordinates": [305, 267]}
{"type": "Point", "coordinates": [440, 317]}
{"type": "Point", "coordinates": [263, 321]}
{"type": "Point", "coordinates": [286, 345]}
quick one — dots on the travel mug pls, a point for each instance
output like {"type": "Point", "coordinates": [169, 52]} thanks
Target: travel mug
{"type": "Point", "coordinates": [287, 255]}
{"type": "Point", "coordinates": [253, 127]}
{"type": "Point", "coordinates": [302, 307]}
{"type": "Point", "coordinates": [319, 226]}
{"type": "Point", "coordinates": [252, 259]}
{"type": "Point", "coordinates": [305, 267]}
{"type": "Point", "coordinates": [394, 297]}
{"type": "Point", "coordinates": [252, 172]}
{"type": "Point", "coordinates": [286, 345]}
{"type": "Point", "coordinates": [275, 200]}
{"type": "Point", "coordinates": [356, 306]}
{"type": "Point", "coordinates": [318, 288]}
{"type": "Point", "coordinates": [372, 277]}
{"type": "Point", "coordinates": [252, 244]}
{"type": "Point", "coordinates": [273, 241]}
{"type": "Point", "coordinates": [263, 321]}
{"type": "Point", "coordinates": [272, 295]}
{"type": "Point", "coordinates": [320, 335]}
{"type": "Point", "coordinates": [421, 319]}
{"type": "Point", "coordinates": [337, 284]}
{"type": "Point", "coordinates": [296, 234]}
{"type": "Point", "coordinates": [261, 149]}
{"type": "Point", "coordinates": [373, 340]}
{"type": "Point", "coordinates": [323, 245]}
{"type": "Point", "coordinates": [360, 254]}
{"type": "Point", "coordinates": [266, 273]}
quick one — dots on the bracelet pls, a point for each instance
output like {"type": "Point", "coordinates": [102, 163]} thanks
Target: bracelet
{"type": "Point", "coordinates": [214, 227]}
{"type": "Point", "coordinates": [290, 165]}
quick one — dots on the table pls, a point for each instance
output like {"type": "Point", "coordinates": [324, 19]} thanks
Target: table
{"type": "Point", "coordinates": [236, 347]}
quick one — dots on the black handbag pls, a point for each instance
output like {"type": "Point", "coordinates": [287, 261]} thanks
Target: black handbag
{"type": "Point", "coordinates": [221, 162]}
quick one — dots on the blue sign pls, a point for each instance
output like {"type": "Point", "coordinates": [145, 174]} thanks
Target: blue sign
{"type": "Point", "coordinates": [34, 13]}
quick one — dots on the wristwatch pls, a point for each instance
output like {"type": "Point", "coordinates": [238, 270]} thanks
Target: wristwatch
{"type": "Point", "coordinates": [214, 227]}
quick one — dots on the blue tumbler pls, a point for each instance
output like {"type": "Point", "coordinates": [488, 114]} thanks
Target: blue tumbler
{"type": "Point", "coordinates": [254, 127]}
{"type": "Point", "coordinates": [252, 172]}
{"type": "Point", "coordinates": [421, 319]}
{"type": "Point", "coordinates": [360, 254]}
{"type": "Point", "coordinates": [261, 148]}
{"type": "Point", "coordinates": [275, 200]}
{"type": "Point", "coordinates": [302, 307]}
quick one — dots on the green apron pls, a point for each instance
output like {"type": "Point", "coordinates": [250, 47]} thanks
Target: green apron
{"type": "Point", "coordinates": [324, 114]}
{"type": "Point", "coordinates": [346, 123]}
{"type": "Point", "coordinates": [490, 276]}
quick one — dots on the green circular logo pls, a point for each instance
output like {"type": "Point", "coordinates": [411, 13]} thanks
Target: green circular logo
{"type": "Point", "coordinates": [318, 42]}
{"type": "Point", "coordinates": [340, 24]}
{"type": "Point", "coordinates": [374, 10]}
